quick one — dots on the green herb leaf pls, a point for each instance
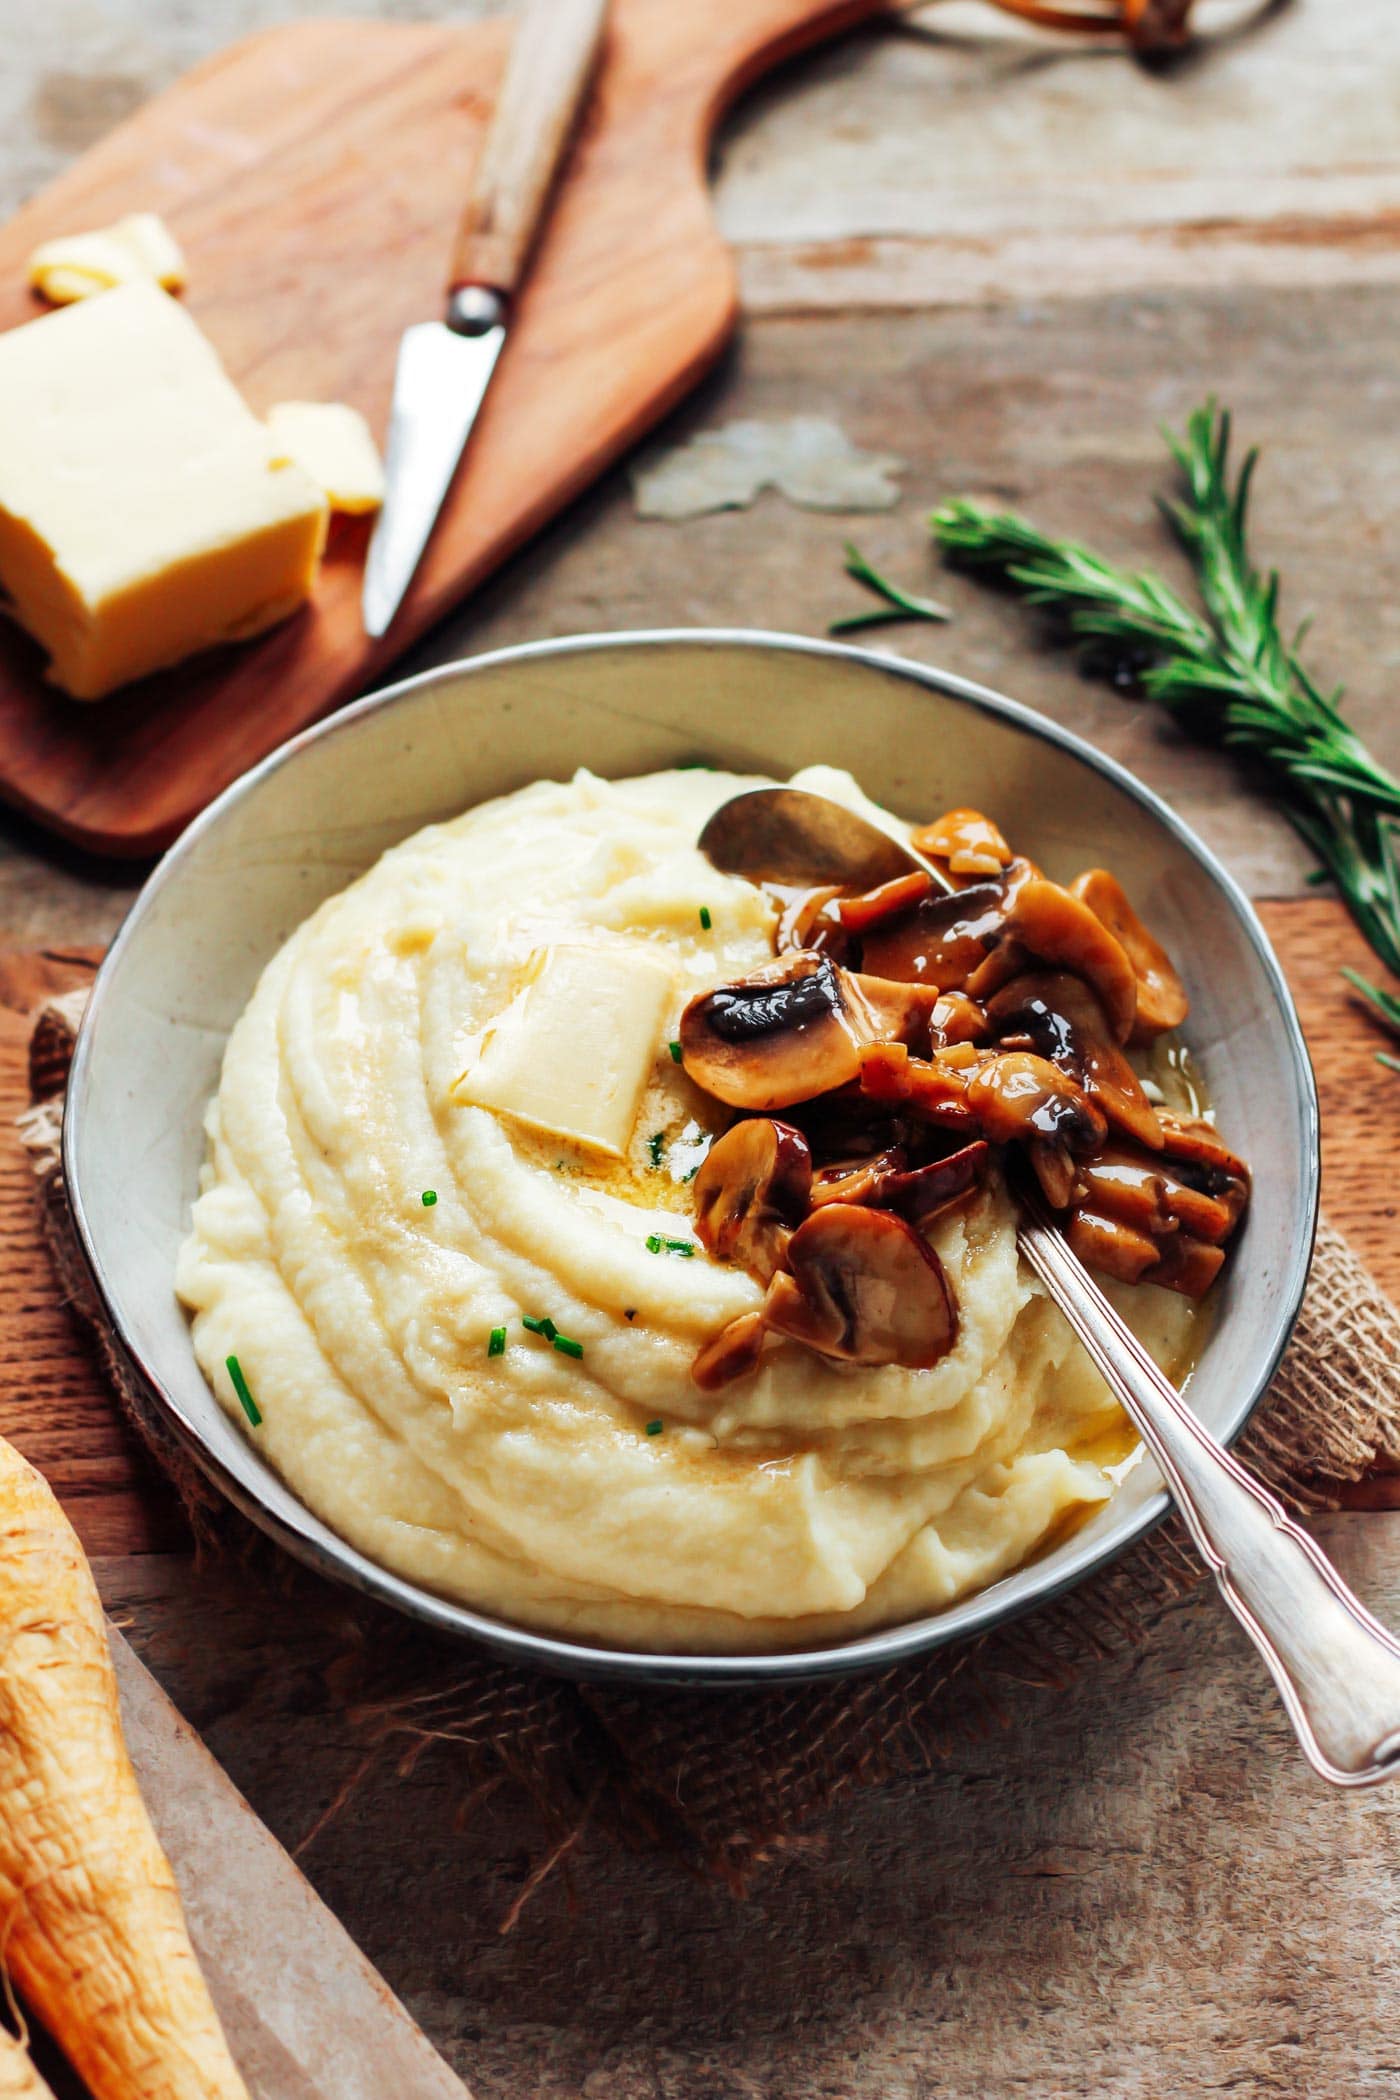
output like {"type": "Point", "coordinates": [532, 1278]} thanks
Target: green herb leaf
{"type": "Point", "coordinates": [899, 604]}
{"type": "Point", "coordinates": [705, 920]}
{"type": "Point", "coordinates": [1229, 673]}
{"type": "Point", "coordinates": [429, 1198]}
{"type": "Point", "coordinates": [657, 1245]}
{"type": "Point", "coordinates": [240, 1386]}
{"type": "Point", "coordinates": [496, 1346]}
{"type": "Point", "coordinates": [655, 1428]}
{"type": "Point", "coordinates": [545, 1327]}
{"type": "Point", "coordinates": [565, 1346]}
{"type": "Point", "coordinates": [656, 1144]}
{"type": "Point", "coordinates": [675, 1050]}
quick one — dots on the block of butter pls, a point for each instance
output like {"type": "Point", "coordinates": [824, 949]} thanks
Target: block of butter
{"type": "Point", "coordinates": [333, 443]}
{"type": "Point", "coordinates": [145, 512]}
{"type": "Point", "coordinates": [76, 265]}
{"type": "Point", "coordinates": [572, 1052]}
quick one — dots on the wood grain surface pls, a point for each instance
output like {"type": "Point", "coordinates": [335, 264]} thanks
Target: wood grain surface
{"type": "Point", "coordinates": [1006, 264]}
{"type": "Point", "coordinates": [313, 176]}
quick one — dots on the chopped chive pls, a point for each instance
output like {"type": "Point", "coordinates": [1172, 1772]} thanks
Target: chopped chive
{"type": "Point", "coordinates": [705, 920]}
{"type": "Point", "coordinates": [429, 1198]}
{"type": "Point", "coordinates": [497, 1344]}
{"type": "Point", "coordinates": [675, 1050]}
{"type": "Point", "coordinates": [655, 1428]}
{"type": "Point", "coordinates": [545, 1327]}
{"type": "Point", "coordinates": [656, 1245]}
{"type": "Point", "coordinates": [240, 1386]}
{"type": "Point", "coordinates": [655, 1144]}
{"type": "Point", "coordinates": [566, 1345]}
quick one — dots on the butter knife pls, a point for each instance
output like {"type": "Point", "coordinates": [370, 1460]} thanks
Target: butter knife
{"type": "Point", "coordinates": [445, 366]}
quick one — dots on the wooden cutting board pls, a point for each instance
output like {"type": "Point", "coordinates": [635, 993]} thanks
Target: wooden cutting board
{"type": "Point", "coordinates": [314, 175]}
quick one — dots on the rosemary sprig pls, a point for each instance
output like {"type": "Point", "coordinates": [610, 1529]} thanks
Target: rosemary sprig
{"type": "Point", "coordinates": [1228, 673]}
{"type": "Point", "coordinates": [1385, 1004]}
{"type": "Point", "coordinates": [899, 604]}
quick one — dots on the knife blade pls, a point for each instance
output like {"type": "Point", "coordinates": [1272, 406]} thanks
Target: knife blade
{"type": "Point", "coordinates": [444, 367]}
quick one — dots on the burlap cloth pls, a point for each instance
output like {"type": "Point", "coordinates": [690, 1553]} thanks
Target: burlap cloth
{"type": "Point", "coordinates": [723, 1780]}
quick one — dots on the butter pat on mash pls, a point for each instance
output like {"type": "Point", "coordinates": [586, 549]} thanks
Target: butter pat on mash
{"type": "Point", "coordinates": [145, 512]}
{"type": "Point", "coordinates": [572, 1053]}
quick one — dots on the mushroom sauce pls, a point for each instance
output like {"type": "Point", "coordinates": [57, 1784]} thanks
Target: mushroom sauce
{"type": "Point", "coordinates": [769, 1371]}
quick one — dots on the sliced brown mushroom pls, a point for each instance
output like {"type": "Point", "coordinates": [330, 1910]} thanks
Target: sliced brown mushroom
{"type": "Point", "coordinates": [788, 1312]}
{"type": "Point", "coordinates": [941, 940]}
{"type": "Point", "coordinates": [859, 1181]}
{"type": "Point", "coordinates": [1066, 1023]}
{"type": "Point", "coordinates": [1124, 1183]}
{"type": "Point", "coordinates": [887, 1011]}
{"type": "Point", "coordinates": [1197, 1142]}
{"type": "Point", "coordinates": [1185, 1264]}
{"type": "Point", "coordinates": [958, 1019]}
{"type": "Point", "coordinates": [890, 901]}
{"type": "Point", "coordinates": [1201, 1162]}
{"type": "Point", "coordinates": [997, 967]}
{"type": "Point", "coordinates": [805, 921]}
{"type": "Point", "coordinates": [864, 1288]}
{"type": "Point", "coordinates": [732, 1353]}
{"type": "Point", "coordinates": [1148, 1191]}
{"type": "Point", "coordinates": [919, 1194]}
{"type": "Point", "coordinates": [781, 1036]}
{"type": "Point", "coordinates": [888, 1074]}
{"type": "Point", "coordinates": [1061, 930]}
{"type": "Point", "coordinates": [752, 1192]}
{"type": "Point", "coordinates": [1020, 1096]}
{"type": "Point", "coordinates": [1110, 1245]}
{"type": "Point", "coordinates": [1055, 1170]}
{"type": "Point", "coordinates": [1161, 996]}
{"type": "Point", "coordinates": [966, 842]}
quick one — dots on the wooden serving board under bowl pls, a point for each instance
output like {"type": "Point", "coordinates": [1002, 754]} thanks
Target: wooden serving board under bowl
{"type": "Point", "coordinates": [314, 176]}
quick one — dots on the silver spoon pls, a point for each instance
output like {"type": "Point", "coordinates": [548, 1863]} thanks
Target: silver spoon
{"type": "Point", "coordinates": [1336, 1668]}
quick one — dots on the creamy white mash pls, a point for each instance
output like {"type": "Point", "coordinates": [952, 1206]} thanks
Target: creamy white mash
{"type": "Point", "coordinates": [802, 1503]}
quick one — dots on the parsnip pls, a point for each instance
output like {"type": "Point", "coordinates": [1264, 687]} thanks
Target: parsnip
{"type": "Point", "coordinates": [91, 1928]}
{"type": "Point", "coordinates": [18, 2078]}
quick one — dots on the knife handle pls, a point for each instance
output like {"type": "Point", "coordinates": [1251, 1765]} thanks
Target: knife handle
{"type": "Point", "coordinates": [552, 56]}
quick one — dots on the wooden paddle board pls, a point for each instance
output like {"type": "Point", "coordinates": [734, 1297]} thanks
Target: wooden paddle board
{"type": "Point", "coordinates": [314, 175]}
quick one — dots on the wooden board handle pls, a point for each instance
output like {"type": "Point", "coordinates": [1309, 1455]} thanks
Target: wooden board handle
{"type": "Point", "coordinates": [552, 56]}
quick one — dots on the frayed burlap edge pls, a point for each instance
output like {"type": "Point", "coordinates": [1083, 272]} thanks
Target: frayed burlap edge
{"type": "Point", "coordinates": [724, 1781]}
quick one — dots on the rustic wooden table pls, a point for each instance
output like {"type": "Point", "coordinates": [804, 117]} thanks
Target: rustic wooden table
{"type": "Point", "coordinates": [1004, 264]}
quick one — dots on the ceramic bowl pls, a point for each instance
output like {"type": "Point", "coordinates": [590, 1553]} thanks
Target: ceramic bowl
{"type": "Point", "coordinates": [319, 811]}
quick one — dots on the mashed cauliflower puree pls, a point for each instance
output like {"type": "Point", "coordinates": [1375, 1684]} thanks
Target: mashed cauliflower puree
{"type": "Point", "coordinates": [801, 1504]}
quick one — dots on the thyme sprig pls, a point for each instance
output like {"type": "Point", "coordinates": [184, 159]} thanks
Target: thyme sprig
{"type": "Point", "coordinates": [1228, 672]}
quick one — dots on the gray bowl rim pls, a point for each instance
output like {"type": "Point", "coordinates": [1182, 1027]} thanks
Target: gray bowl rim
{"type": "Point", "coordinates": [578, 1660]}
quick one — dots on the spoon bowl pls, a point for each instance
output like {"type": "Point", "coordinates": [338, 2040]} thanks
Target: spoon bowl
{"type": "Point", "coordinates": [795, 839]}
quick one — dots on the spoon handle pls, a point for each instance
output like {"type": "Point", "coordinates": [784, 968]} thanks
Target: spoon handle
{"type": "Point", "coordinates": [1336, 1668]}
